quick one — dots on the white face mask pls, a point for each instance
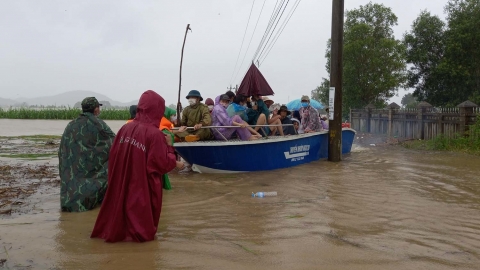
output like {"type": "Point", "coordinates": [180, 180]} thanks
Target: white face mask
{"type": "Point", "coordinates": [173, 119]}
{"type": "Point", "coordinates": [210, 107]}
{"type": "Point", "coordinates": [192, 101]}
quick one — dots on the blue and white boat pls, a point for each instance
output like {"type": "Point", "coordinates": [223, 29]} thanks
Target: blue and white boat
{"type": "Point", "coordinates": [235, 156]}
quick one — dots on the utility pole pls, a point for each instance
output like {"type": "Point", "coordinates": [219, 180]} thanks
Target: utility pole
{"type": "Point", "coordinates": [336, 80]}
{"type": "Point", "coordinates": [233, 88]}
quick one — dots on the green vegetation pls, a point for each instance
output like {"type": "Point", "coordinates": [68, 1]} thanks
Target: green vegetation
{"type": "Point", "coordinates": [442, 56]}
{"type": "Point", "coordinates": [409, 101]}
{"type": "Point", "coordinates": [374, 65]}
{"type": "Point", "coordinates": [467, 144]}
{"type": "Point", "coordinates": [445, 62]}
{"type": "Point", "coordinates": [60, 113]}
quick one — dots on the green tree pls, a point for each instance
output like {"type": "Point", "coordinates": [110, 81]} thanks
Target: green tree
{"type": "Point", "coordinates": [321, 92]}
{"type": "Point", "coordinates": [374, 64]}
{"type": "Point", "coordinates": [409, 101]}
{"type": "Point", "coordinates": [462, 55]}
{"type": "Point", "coordinates": [425, 45]}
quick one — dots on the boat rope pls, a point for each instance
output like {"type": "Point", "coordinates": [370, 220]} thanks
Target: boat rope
{"type": "Point", "coordinates": [243, 39]}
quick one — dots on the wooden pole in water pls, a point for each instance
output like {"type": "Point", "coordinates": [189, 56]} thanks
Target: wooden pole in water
{"type": "Point", "coordinates": [179, 105]}
{"type": "Point", "coordinates": [336, 70]}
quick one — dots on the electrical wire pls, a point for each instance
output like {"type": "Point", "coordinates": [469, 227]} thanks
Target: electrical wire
{"type": "Point", "coordinates": [282, 27]}
{"type": "Point", "coordinates": [236, 74]}
{"type": "Point", "coordinates": [243, 39]}
{"type": "Point", "coordinates": [273, 29]}
{"type": "Point", "coordinates": [276, 11]}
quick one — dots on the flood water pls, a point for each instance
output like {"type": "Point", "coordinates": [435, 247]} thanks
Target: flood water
{"type": "Point", "coordinates": [381, 208]}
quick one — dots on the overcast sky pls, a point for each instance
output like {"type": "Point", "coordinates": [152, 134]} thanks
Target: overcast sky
{"type": "Point", "coordinates": [121, 48]}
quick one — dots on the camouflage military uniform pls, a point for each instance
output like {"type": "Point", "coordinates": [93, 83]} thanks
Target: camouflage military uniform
{"type": "Point", "coordinates": [83, 160]}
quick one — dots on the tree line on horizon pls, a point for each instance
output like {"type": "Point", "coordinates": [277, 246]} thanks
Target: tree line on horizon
{"type": "Point", "coordinates": [439, 60]}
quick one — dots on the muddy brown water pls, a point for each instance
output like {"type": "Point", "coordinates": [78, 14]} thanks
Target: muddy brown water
{"type": "Point", "coordinates": [381, 208]}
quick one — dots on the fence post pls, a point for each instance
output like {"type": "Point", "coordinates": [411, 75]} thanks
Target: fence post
{"type": "Point", "coordinates": [368, 109]}
{"type": "Point", "coordinates": [466, 111]}
{"type": "Point", "coordinates": [422, 108]}
{"type": "Point", "coordinates": [391, 108]}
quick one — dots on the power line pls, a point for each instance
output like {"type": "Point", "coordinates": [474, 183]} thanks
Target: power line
{"type": "Point", "coordinates": [273, 30]}
{"type": "Point", "coordinates": [243, 39]}
{"type": "Point", "coordinates": [274, 15]}
{"type": "Point", "coordinates": [282, 27]}
{"type": "Point", "coordinates": [250, 39]}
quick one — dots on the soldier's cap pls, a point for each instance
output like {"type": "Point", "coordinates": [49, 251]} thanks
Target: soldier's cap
{"type": "Point", "coordinates": [90, 103]}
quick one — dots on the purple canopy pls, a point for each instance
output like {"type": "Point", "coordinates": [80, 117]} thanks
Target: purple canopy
{"type": "Point", "coordinates": [254, 83]}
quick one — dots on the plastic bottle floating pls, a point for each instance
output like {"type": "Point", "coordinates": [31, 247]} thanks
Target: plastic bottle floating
{"type": "Point", "coordinates": [264, 194]}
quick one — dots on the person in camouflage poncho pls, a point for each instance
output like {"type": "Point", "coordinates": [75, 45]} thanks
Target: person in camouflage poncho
{"type": "Point", "coordinates": [83, 159]}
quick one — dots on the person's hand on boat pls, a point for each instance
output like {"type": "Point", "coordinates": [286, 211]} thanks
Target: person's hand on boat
{"type": "Point", "coordinates": [182, 129]}
{"type": "Point", "coordinates": [197, 126]}
{"type": "Point", "coordinates": [180, 165]}
{"type": "Point", "coordinates": [242, 125]}
{"type": "Point", "coordinates": [275, 117]}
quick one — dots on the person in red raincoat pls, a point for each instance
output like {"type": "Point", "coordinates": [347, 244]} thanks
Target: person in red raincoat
{"type": "Point", "coordinates": [139, 156]}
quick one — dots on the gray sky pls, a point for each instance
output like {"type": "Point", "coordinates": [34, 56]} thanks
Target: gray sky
{"type": "Point", "coordinates": [121, 48]}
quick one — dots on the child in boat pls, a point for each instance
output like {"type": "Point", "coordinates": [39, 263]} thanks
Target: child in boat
{"type": "Point", "coordinates": [220, 118]}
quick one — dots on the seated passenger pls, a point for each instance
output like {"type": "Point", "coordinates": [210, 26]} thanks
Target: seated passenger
{"type": "Point", "coordinates": [324, 122]}
{"type": "Point", "coordinates": [221, 118]}
{"type": "Point", "coordinates": [167, 123]}
{"type": "Point", "coordinates": [195, 115]}
{"type": "Point", "coordinates": [259, 115]}
{"type": "Point", "coordinates": [133, 112]}
{"type": "Point", "coordinates": [296, 115]}
{"type": "Point", "coordinates": [231, 96]}
{"type": "Point", "coordinates": [287, 130]}
{"type": "Point", "coordinates": [210, 104]}
{"type": "Point", "coordinates": [237, 107]}
{"type": "Point", "coordinates": [310, 121]}
{"type": "Point", "coordinates": [268, 101]}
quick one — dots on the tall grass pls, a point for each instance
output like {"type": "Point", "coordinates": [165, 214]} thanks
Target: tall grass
{"type": "Point", "coordinates": [60, 113]}
{"type": "Point", "coordinates": [469, 143]}
{"type": "Point", "coordinates": [459, 143]}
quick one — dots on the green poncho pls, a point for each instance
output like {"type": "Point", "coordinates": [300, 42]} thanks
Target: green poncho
{"type": "Point", "coordinates": [169, 112]}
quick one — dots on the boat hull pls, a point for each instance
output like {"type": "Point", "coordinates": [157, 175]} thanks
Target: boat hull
{"type": "Point", "coordinates": [267, 154]}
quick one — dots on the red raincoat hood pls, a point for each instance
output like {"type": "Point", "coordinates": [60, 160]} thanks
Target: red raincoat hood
{"type": "Point", "coordinates": [151, 108]}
